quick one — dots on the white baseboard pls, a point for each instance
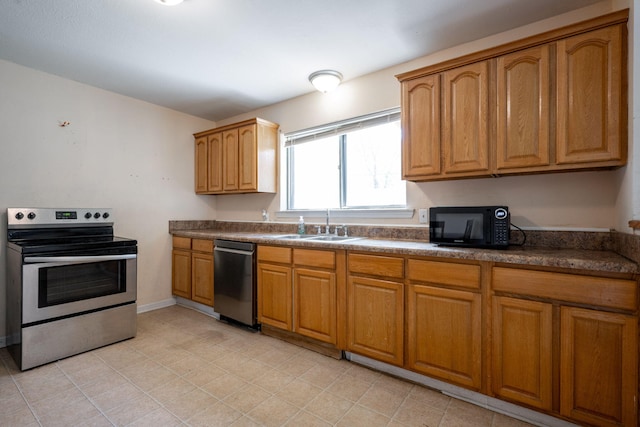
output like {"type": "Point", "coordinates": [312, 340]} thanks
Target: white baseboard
{"type": "Point", "coordinates": [487, 402]}
{"type": "Point", "coordinates": [156, 305]}
{"type": "Point", "coordinates": [3, 342]}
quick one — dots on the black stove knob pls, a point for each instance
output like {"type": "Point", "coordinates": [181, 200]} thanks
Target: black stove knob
{"type": "Point", "coordinates": [19, 215]}
{"type": "Point", "coordinates": [96, 215]}
{"type": "Point", "coordinates": [31, 215]}
{"type": "Point", "coordinates": [105, 215]}
{"type": "Point", "coordinates": [87, 215]}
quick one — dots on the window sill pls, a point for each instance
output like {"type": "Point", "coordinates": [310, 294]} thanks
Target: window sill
{"type": "Point", "coordinates": [400, 213]}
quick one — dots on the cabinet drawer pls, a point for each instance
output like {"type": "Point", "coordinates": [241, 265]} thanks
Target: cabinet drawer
{"type": "Point", "coordinates": [181, 242]}
{"type": "Point", "coordinates": [447, 273]}
{"type": "Point", "coordinates": [274, 254]}
{"type": "Point", "coordinates": [599, 291]}
{"type": "Point", "coordinates": [377, 265]}
{"type": "Point", "coordinates": [314, 258]}
{"type": "Point", "coordinates": [202, 245]}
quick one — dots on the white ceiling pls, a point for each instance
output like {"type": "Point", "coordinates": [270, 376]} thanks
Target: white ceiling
{"type": "Point", "coordinates": [219, 58]}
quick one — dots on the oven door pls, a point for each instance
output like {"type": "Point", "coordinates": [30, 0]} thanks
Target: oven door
{"type": "Point", "coordinates": [62, 286]}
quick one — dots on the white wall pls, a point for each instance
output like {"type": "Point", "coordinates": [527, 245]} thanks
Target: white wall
{"type": "Point", "coordinates": [566, 200]}
{"type": "Point", "coordinates": [118, 152]}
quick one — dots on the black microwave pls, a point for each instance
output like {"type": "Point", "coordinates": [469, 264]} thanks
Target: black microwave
{"type": "Point", "coordinates": [471, 226]}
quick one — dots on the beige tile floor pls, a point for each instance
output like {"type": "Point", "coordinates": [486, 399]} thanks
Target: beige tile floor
{"type": "Point", "coordinates": [185, 368]}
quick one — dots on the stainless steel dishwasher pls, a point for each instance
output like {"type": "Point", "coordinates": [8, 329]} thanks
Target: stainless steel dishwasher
{"type": "Point", "coordinates": [234, 281]}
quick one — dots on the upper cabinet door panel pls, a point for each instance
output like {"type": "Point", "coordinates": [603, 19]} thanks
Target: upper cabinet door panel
{"type": "Point", "coordinates": [590, 68]}
{"type": "Point", "coordinates": [201, 164]}
{"type": "Point", "coordinates": [230, 163]}
{"type": "Point", "coordinates": [247, 158]}
{"type": "Point", "coordinates": [466, 119]}
{"type": "Point", "coordinates": [421, 127]}
{"type": "Point", "coordinates": [215, 162]}
{"type": "Point", "coordinates": [522, 132]}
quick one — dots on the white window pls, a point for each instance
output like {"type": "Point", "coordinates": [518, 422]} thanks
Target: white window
{"type": "Point", "coordinates": [350, 164]}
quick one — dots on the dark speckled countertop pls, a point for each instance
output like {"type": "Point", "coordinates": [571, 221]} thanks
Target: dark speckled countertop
{"type": "Point", "coordinates": [583, 259]}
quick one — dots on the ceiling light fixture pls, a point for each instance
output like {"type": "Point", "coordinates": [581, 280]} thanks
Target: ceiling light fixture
{"type": "Point", "coordinates": [169, 2]}
{"type": "Point", "coordinates": [325, 80]}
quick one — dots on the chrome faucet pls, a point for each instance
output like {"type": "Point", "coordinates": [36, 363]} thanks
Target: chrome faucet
{"type": "Point", "coordinates": [326, 230]}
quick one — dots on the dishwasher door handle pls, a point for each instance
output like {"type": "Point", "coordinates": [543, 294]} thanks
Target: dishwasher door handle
{"type": "Point", "coordinates": [232, 251]}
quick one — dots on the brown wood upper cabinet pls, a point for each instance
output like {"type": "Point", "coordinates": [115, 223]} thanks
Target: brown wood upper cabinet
{"type": "Point", "coordinates": [466, 120]}
{"type": "Point", "coordinates": [590, 127]}
{"type": "Point", "coordinates": [549, 103]}
{"type": "Point", "coordinates": [523, 106]}
{"type": "Point", "coordinates": [237, 158]}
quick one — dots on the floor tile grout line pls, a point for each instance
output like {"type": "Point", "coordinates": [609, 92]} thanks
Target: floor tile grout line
{"type": "Point", "coordinates": [82, 391]}
{"type": "Point", "coordinates": [26, 401]}
{"type": "Point", "coordinates": [161, 405]}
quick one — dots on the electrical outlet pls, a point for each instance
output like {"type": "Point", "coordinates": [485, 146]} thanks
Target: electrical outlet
{"type": "Point", "coordinates": [423, 215]}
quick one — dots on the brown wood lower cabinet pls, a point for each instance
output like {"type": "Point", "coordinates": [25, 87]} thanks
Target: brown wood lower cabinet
{"type": "Point", "coordinates": [444, 334]}
{"type": "Point", "coordinates": [558, 341]}
{"type": "Point", "coordinates": [598, 367]}
{"type": "Point", "coordinates": [192, 269]}
{"type": "Point", "coordinates": [275, 298]}
{"type": "Point", "coordinates": [375, 313]}
{"type": "Point", "coordinates": [444, 321]}
{"type": "Point", "coordinates": [315, 304]}
{"type": "Point", "coordinates": [298, 291]}
{"type": "Point", "coordinates": [522, 351]}
{"type": "Point", "coordinates": [590, 353]}
{"type": "Point", "coordinates": [375, 319]}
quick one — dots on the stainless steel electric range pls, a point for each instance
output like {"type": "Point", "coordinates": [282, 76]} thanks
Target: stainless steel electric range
{"type": "Point", "coordinates": [71, 284]}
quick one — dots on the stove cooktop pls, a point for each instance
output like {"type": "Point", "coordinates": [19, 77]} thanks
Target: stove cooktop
{"type": "Point", "coordinates": [64, 231]}
{"type": "Point", "coordinates": [83, 246]}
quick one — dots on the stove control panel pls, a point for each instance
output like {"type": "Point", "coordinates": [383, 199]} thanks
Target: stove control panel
{"type": "Point", "coordinates": [55, 217]}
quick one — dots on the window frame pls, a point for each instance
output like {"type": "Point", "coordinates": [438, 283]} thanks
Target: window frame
{"type": "Point", "coordinates": [340, 129]}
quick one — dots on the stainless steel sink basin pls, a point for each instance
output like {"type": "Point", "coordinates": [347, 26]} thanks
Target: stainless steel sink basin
{"type": "Point", "coordinates": [315, 237]}
{"type": "Point", "coordinates": [294, 236]}
{"type": "Point", "coordinates": [333, 238]}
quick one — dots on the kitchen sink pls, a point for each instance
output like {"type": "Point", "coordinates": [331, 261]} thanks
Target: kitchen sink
{"type": "Point", "coordinates": [333, 238]}
{"type": "Point", "coordinates": [293, 236]}
{"type": "Point", "coordinates": [315, 237]}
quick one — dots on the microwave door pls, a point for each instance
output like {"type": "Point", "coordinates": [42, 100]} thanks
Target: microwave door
{"type": "Point", "coordinates": [467, 231]}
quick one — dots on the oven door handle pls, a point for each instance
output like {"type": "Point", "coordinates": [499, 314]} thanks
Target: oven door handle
{"type": "Point", "coordinates": [99, 258]}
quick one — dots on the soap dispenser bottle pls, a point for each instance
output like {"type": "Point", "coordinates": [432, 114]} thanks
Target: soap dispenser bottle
{"type": "Point", "coordinates": [301, 225]}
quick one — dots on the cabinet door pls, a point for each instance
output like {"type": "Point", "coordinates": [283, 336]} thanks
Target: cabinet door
{"type": "Point", "coordinates": [274, 295]}
{"type": "Point", "coordinates": [523, 109]}
{"type": "Point", "coordinates": [314, 305]}
{"type": "Point", "coordinates": [444, 335]}
{"type": "Point", "coordinates": [202, 278]}
{"type": "Point", "coordinates": [421, 127]}
{"type": "Point", "coordinates": [466, 120]}
{"type": "Point", "coordinates": [598, 367]}
{"type": "Point", "coordinates": [230, 160]}
{"type": "Point", "coordinates": [248, 158]}
{"type": "Point", "coordinates": [375, 319]}
{"type": "Point", "coordinates": [181, 273]}
{"type": "Point", "coordinates": [201, 164]}
{"type": "Point", "coordinates": [214, 183]}
{"type": "Point", "coordinates": [590, 69]}
{"type": "Point", "coordinates": [522, 351]}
